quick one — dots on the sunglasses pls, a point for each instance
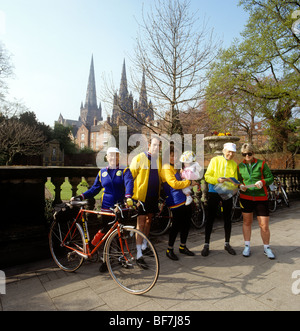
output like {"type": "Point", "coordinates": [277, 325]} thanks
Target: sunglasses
{"type": "Point", "coordinates": [245, 154]}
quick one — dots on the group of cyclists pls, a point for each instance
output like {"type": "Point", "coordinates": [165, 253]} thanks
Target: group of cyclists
{"type": "Point", "coordinates": [143, 180]}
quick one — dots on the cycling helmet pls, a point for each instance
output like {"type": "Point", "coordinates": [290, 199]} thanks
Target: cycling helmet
{"type": "Point", "coordinates": [188, 157]}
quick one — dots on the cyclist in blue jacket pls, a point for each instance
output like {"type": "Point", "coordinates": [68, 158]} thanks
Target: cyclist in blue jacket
{"type": "Point", "coordinates": [118, 186]}
{"type": "Point", "coordinates": [117, 182]}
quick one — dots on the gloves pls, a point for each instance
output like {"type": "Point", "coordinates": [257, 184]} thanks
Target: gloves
{"type": "Point", "coordinates": [259, 184]}
{"type": "Point", "coordinates": [243, 188]}
{"type": "Point", "coordinates": [77, 198]}
{"type": "Point", "coordinates": [129, 202]}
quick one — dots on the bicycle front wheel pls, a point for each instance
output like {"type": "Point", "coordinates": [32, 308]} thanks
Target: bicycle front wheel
{"type": "Point", "coordinates": [66, 241]}
{"type": "Point", "coordinates": [132, 275]}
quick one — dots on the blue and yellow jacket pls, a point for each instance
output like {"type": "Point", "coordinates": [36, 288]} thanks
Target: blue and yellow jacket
{"type": "Point", "coordinates": [117, 184]}
{"type": "Point", "coordinates": [173, 185]}
{"type": "Point", "coordinates": [140, 168]}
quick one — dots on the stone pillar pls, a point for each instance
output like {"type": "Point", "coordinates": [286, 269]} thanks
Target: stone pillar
{"type": "Point", "coordinates": [57, 182]}
{"type": "Point", "coordinates": [74, 181]}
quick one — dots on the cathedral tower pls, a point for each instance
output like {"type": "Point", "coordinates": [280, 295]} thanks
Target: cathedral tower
{"type": "Point", "coordinates": [128, 112]}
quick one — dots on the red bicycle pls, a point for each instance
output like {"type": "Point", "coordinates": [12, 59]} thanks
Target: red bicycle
{"type": "Point", "coordinates": [69, 242]}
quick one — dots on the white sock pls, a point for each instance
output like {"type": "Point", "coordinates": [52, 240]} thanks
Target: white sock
{"type": "Point", "coordinates": [144, 244]}
{"type": "Point", "coordinates": [247, 243]}
{"type": "Point", "coordinates": [139, 251]}
{"type": "Point", "coordinates": [266, 246]}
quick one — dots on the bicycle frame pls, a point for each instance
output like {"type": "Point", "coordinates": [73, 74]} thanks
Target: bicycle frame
{"type": "Point", "coordinates": [69, 242]}
{"type": "Point", "coordinates": [88, 253]}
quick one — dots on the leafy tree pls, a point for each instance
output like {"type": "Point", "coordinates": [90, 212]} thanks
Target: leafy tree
{"type": "Point", "coordinates": [62, 134]}
{"type": "Point", "coordinates": [265, 65]}
{"type": "Point", "coordinates": [29, 117]}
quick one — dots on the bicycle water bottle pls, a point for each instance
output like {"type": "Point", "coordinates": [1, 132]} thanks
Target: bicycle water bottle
{"type": "Point", "coordinates": [98, 236]}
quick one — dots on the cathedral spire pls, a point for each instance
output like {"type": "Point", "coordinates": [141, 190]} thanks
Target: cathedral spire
{"type": "Point", "coordinates": [143, 93]}
{"type": "Point", "coordinates": [91, 97]}
{"type": "Point", "coordinates": [123, 86]}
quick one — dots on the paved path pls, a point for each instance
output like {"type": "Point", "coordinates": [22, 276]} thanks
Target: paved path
{"type": "Point", "coordinates": [217, 282]}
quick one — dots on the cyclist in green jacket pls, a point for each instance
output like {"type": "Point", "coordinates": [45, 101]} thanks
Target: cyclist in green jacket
{"type": "Point", "coordinates": [255, 176]}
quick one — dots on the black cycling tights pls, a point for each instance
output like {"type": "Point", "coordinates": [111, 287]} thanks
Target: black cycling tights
{"type": "Point", "coordinates": [181, 223]}
{"type": "Point", "coordinates": [212, 209]}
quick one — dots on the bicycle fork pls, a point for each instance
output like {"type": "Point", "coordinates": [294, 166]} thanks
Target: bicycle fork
{"type": "Point", "coordinates": [124, 248]}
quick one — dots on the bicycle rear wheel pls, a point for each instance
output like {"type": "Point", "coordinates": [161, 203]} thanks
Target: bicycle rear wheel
{"type": "Point", "coordinates": [198, 214]}
{"type": "Point", "coordinates": [161, 221]}
{"type": "Point", "coordinates": [236, 212]}
{"type": "Point", "coordinates": [285, 197]}
{"type": "Point", "coordinates": [120, 255]}
{"type": "Point", "coordinates": [64, 245]}
{"type": "Point", "coordinates": [272, 201]}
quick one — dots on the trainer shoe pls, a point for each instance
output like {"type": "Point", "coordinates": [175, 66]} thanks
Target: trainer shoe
{"type": "Point", "coordinates": [205, 250]}
{"type": "Point", "coordinates": [103, 267]}
{"type": "Point", "coordinates": [246, 251]}
{"type": "Point", "coordinates": [229, 249]}
{"type": "Point", "coordinates": [186, 251]}
{"type": "Point", "coordinates": [171, 255]}
{"type": "Point", "coordinates": [141, 263]}
{"type": "Point", "coordinates": [268, 252]}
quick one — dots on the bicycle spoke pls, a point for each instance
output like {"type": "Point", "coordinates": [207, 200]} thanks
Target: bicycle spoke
{"type": "Point", "coordinates": [134, 276]}
{"type": "Point", "coordinates": [161, 221]}
{"type": "Point", "coordinates": [64, 244]}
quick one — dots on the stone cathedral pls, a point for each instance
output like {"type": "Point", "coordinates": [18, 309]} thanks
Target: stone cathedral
{"type": "Point", "coordinates": [91, 131]}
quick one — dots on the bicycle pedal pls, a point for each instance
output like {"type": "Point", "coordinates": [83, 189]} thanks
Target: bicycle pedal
{"type": "Point", "coordinates": [127, 265]}
{"type": "Point", "coordinates": [72, 256]}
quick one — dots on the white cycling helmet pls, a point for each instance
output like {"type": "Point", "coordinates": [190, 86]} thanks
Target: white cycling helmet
{"type": "Point", "coordinates": [188, 157]}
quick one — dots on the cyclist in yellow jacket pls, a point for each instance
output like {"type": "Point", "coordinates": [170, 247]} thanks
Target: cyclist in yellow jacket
{"type": "Point", "coordinates": [219, 169]}
{"type": "Point", "coordinates": [176, 200]}
{"type": "Point", "coordinates": [146, 171]}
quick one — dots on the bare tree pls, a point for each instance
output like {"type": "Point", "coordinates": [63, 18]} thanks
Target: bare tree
{"type": "Point", "coordinates": [174, 52]}
{"type": "Point", "coordinates": [5, 69]}
{"type": "Point", "coordinates": [17, 137]}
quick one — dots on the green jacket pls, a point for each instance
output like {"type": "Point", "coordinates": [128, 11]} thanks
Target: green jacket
{"type": "Point", "coordinates": [252, 173]}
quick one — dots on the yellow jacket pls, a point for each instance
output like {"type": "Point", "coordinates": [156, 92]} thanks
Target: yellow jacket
{"type": "Point", "coordinates": [219, 167]}
{"type": "Point", "coordinates": [140, 170]}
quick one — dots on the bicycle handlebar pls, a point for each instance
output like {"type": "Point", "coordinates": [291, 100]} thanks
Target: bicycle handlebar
{"type": "Point", "coordinates": [78, 203]}
{"type": "Point", "coordinates": [117, 207]}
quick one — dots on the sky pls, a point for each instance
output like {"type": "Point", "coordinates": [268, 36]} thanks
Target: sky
{"type": "Point", "coordinates": [51, 43]}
